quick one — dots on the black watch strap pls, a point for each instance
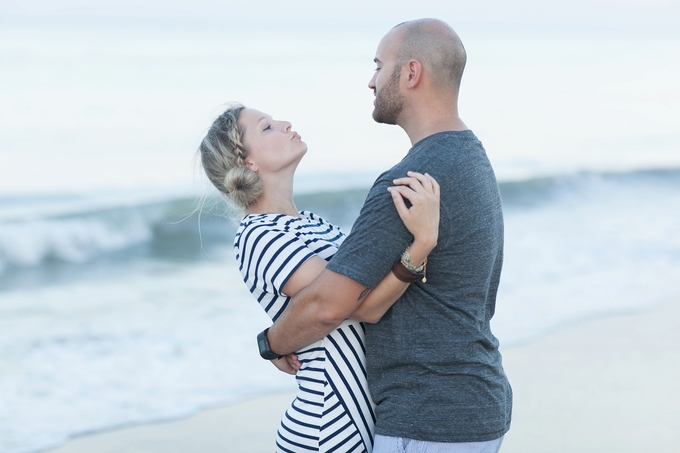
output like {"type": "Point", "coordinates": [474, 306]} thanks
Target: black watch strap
{"type": "Point", "coordinates": [263, 344]}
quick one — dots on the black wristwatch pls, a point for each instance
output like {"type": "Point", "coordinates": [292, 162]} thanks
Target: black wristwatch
{"type": "Point", "coordinates": [263, 344]}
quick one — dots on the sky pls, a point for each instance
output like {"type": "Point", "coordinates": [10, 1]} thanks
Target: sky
{"type": "Point", "coordinates": [118, 93]}
{"type": "Point", "coordinates": [598, 14]}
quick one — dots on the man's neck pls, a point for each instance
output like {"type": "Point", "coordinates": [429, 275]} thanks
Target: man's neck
{"type": "Point", "coordinates": [417, 131]}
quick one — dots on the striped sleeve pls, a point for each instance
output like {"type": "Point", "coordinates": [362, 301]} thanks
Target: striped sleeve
{"type": "Point", "coordinates": [269, 257]}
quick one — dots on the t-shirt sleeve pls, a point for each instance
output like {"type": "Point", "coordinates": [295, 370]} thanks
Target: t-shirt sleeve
{"type": "Point", "coordinates": [269, 257]}
{"type": "Point", "coordinates": [377, 240]}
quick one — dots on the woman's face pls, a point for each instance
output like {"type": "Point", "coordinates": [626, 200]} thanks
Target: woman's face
{"type": "Point", "coordinates": [272, 145]}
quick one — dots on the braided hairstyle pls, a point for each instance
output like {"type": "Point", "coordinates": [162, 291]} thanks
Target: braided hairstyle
{"type": "Point", "coordinates": [223, 158]}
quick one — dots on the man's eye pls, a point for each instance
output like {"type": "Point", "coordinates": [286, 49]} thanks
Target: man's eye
{"type": "Point", "coordinates": [267, 127]}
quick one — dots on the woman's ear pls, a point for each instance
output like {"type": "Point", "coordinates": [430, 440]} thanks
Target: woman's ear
{"type": "Point", "coordinates": [250, 165]}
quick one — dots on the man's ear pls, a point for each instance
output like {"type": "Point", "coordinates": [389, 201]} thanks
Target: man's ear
{"type": "Point", "coordinates": [414, 72]}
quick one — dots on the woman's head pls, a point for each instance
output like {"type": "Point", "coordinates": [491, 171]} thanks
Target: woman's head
{"type": "Point", "coordinates": [273, 148]}
{"type": "Point", "coordinates": [223, 157]}
{"type": "Point", "coordinates": [243, 145]}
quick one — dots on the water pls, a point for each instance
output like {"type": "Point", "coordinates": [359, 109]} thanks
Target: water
{"type": "Point", "coordinates": [120, 303]}
{"type": "Point", "coordinates": [156, 323]}
{"type": "Point", "coordinates": [586, 245]}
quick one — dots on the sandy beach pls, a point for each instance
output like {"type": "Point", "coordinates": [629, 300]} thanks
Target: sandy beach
{"type": "Point", "coordinates": [600, 385]}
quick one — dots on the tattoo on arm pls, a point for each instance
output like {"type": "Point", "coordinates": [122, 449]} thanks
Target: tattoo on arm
{"type": "Point", "coordinates": [363, 294]}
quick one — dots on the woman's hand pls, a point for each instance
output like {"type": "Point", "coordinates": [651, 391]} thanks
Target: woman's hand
{"type": "Point", "coordinates": [288, 364]}
{"type": "Point", "coordinates": [422, 218]}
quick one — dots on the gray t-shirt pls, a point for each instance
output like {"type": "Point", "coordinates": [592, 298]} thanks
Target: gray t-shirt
{"type": "Point", "coordinates": [434, 369]}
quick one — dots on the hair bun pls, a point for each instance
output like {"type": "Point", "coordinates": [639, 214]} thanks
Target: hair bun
{"type": "Point", "coordinates": [243, 186]}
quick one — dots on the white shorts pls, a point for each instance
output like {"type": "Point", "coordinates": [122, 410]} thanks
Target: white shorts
{"type": "Point", "coordinates": [386, 444]}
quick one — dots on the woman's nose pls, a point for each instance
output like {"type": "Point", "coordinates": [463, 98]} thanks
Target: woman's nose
{"type": "Point", "coordinates": [287, 126]}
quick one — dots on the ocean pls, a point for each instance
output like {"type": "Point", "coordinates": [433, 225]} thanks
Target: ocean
{"type": "Point", "coordinates": [120, 300]}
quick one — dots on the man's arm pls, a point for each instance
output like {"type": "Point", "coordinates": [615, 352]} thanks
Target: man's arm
{"type": "Point", "coordinates": [363, 257]}
{"type": "Point", "coordinates": [315, 311]}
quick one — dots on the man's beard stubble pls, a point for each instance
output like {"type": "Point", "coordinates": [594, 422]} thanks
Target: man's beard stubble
{"type": "Point", "coordinates": [389, 102]}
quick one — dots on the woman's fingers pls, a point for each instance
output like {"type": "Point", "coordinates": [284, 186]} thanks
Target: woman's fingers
{"type": "Point", "coordinates": [288, 364]}
{"type": "Point", "coordinates": [422, 192]}
{"type": "Point", "coordinates": [293, 361]}
{"type": "Point", "coordinates": [433, 184]}
{"type": "Point", "coordinates": [421, 218]}
{"type": "Point", "coordinates": [412, 182]}
{"type": "Point", "coordinates": [427, 181]}
{"type": "Point", "coordinates": [401, 192]}
{"type": "Point", "coordinates": [283, 365]}
{"type": "Point", "coordinates": [420, 183]}
{"type": "Point", "coordinates": [398, 200]}
{"type": "Point", "coordinates": [424, 179]}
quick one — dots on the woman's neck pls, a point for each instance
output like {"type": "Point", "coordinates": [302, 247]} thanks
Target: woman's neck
{"type": "Point", "coordinates": [263, 206]}
{"type": "Point", "coordinates": [276, 198]}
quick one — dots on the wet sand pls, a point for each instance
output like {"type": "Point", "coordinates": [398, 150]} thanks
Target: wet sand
{"type": "Point", "coordinates": [600, 385]}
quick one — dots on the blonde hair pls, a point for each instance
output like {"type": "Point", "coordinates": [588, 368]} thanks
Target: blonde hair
{"type": "Point", "coordinates": [223, 158]}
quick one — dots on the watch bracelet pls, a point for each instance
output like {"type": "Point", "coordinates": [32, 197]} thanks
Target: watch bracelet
{"type": "Point", "coordinates": [405, 275]}
{"type": "Point", "coordinates": [406, 261]}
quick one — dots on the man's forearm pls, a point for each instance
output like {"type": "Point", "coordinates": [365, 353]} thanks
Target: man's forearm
{"type": "Point", "coordinates": [299, 325]}
{"type": "Point", "coordinates": [314, 312]}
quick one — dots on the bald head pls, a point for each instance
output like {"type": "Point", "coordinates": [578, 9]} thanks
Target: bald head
{"type": "Point", "coordinates": [436, 46]}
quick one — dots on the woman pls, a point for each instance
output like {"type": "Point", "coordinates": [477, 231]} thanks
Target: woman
{"type": "Point", "coordinates": [251, 159]}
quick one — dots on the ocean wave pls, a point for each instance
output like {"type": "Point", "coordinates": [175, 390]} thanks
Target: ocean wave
{"type": "Point", "coordinates": [76, 229]}
{"type": "Point", "coordinates": [77, 232]}
{"type": "Point", "coordinates": [72, 240]}
{"type": "Point", "coordinates": [535, 192]}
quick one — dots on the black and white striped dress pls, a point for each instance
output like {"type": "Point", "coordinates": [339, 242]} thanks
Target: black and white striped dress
{"type": "Point", "coordinates": [333, 411]}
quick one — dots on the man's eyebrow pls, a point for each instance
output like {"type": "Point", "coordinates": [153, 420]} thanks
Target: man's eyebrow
{"type": "Point", "coordinates": [376, 60]}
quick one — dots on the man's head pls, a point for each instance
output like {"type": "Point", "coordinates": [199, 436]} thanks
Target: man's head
{"type": "Point", "coordinates": [424, 53]}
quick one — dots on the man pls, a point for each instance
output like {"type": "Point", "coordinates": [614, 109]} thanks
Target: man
{"type": "Point", "coordinates": [434, 369]}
